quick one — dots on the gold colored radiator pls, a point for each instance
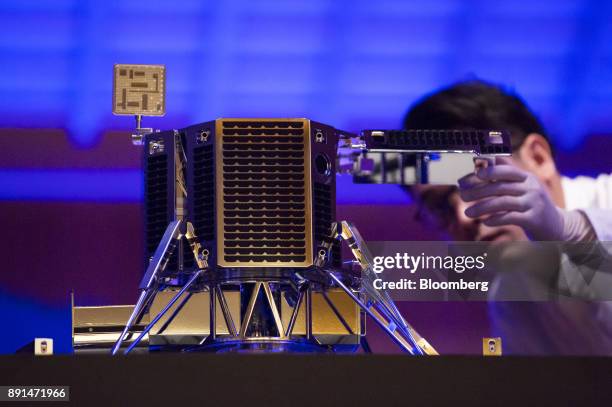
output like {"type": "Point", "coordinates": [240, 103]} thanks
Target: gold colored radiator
{"type": "Point", "coordinates": [264, 193]}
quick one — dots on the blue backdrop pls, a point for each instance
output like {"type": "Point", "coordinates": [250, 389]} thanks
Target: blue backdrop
{"type": "Point", "coordinates": [347, 63]}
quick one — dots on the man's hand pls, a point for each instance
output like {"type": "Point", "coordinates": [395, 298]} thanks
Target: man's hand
{"type": "Point", "coordinates": [507, 195]}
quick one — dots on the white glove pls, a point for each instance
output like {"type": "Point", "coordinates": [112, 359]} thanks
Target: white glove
{"type": "Point", "coordinates": [507, 195]}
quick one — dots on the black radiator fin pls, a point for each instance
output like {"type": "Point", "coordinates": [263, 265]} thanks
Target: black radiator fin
{"type": "Point", "coordinates": [323, 218]}
{"type": "Point", "coordinates": [156, 204]}
{"type": "Point", "coordinates": [204, 193]}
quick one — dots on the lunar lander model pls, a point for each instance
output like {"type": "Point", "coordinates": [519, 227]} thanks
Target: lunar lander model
{"type": "Point", "coordinates": [242, 243]}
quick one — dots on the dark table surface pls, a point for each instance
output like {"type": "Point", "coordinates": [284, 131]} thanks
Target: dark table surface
{"type": "Point", "coordinates": [316, 380]}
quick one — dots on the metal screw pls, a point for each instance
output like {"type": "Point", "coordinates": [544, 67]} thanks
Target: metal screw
{"type": "Point", "coordinates": [204, 254]}
{"type": "Point", "coordinates": [319, 138]}
{"type": "Point", "coordinates": [203, 137]}
{"type": "Point", "coordinates": [156, 146]}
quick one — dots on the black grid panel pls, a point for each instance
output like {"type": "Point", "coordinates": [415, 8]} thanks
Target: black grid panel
{"type": "Point", "coordinates": [159, 194]}
{"type": "Point", "coordinates": [457, 140]}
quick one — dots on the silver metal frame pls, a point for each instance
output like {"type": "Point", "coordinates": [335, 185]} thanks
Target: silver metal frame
{"type": "Point", "coordinates": [375, 303]}
{"type": "Point", "coordinates": [152, 281]}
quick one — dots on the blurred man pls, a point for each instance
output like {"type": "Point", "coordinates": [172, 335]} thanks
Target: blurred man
{"type": "Point", "coordinates": [518, 199]}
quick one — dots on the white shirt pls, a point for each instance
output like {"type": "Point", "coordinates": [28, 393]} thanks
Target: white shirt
{"type": "Point", "coordinates": [568, 327]}
{"type": "Point", "coordinates": [594, 197]}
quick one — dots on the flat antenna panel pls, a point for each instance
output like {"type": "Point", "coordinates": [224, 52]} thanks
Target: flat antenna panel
{"type": "Point", "coordinates": [139, 90]}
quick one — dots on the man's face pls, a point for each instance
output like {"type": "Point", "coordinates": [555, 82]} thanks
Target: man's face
{"type": "Point", "coordinates": [442, 206]}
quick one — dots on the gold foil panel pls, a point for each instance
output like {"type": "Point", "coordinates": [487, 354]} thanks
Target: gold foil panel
{"type": "Point", "coordinates": [139, 90]}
